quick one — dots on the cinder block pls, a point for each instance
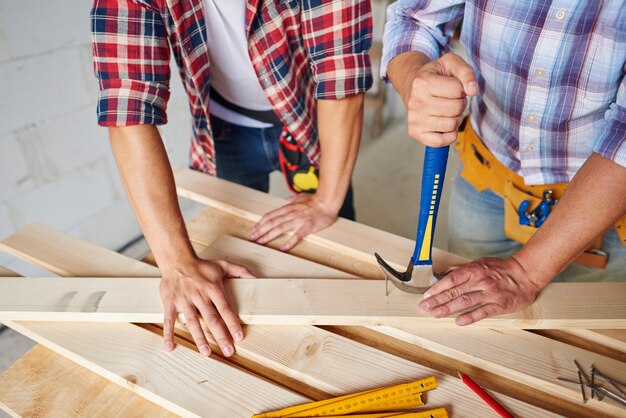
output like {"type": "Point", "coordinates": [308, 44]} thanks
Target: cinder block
{"type": "Point", "coordinates": [15, 177]}
{"type": "Point", "coordinates": [112, 227]}
{"type": "Point", "coordinates": [43, 87]}
{"type": "Point", "coordinates": [74, 139]}
{"type": "Point", "coordinates": [176, 137]}
{"type": "Point", "coordinates": [33, 27]}
{"type": "Point", "coordinates": [67, 202]}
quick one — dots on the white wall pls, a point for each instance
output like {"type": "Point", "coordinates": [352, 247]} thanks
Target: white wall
{"type": "Point", "coordinates": [56, 166]}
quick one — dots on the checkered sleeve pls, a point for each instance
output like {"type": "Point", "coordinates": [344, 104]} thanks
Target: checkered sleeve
{"type": "Point", "coordinates": [338, 35]}
{"type": "Point", "coordinates": [131, 62]}
{"type": "Point", "coordinates": [419, 25]}
{"type": "Point", "coordinates": [612, 142]}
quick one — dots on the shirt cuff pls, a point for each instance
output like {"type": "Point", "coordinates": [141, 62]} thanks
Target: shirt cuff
{"type": "Point", "coordinates": [340, 76]}
{"type": "Point", "coordinates": [132, 102]}
{"type": "Point", "coordinates": [612, 141]}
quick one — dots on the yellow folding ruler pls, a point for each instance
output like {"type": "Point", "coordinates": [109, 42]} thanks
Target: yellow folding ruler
{"type": "Point", "coordinates": [366, 403]}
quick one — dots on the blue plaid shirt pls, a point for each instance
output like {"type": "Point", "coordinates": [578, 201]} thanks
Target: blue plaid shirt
{"type": "Point", "coordinates": [551, 75]}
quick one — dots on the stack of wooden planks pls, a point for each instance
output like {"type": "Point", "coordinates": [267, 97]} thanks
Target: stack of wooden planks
{"type": "Point", "coordinates": [119, 369]}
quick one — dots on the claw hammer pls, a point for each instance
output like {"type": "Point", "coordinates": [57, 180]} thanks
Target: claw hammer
{"type": "Point", "coordinates": [419, 276]}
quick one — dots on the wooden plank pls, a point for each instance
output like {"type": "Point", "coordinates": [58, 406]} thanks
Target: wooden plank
{"type": "Point", "coordinates": [29, 243]}
{"type": "Point", "coordinates": [338, 365]}
{"type": "Point", "coordinates": [211, 224]}
{"type": "Point", "coordinates": [45, 384]}
{"type": "Point", "coordinates": [519, 355]}
{"type": "Point", "coordinates": [310, 301]}
{"type": "Point", "coordinates": [347, 237]}
{"type": "Point", "coordinates": [182, 381]}
{"type": "Point", "coordinates": [606, 342]}
{"type": "Point", "coordinates": [265, 262]}
{"type": "Point", "coordinates": [5, 272]}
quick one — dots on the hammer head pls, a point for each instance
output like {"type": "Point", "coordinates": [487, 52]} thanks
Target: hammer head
{"type": "Point", "coordinates": [416, 279]}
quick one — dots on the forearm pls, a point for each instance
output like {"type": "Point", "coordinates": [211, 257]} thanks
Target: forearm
{"type": "Point", "coordinates": [339, 127]}
{"type": "Point", "coordinates": [149, 184]}
{"type": "Point", "coordinates": [403, 69]}
{"type": "Point", "coordinates": [593, 202]}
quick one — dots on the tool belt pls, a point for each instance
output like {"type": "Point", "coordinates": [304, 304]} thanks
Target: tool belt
{"type": "Point", "coordinates": [301, 175]}
{"type": "Point", "coordinates": [525, 207]}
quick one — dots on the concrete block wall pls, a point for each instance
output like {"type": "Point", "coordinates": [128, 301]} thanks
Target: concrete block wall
{"type": "Point", "coordinates": [56, 166]}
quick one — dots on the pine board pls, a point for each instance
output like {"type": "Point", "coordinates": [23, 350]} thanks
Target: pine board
{"type": "Point", "coordinates": [524, 357]}
{"type": "Point", "coordinates": [339, 365]}
{"type": "Point", "coordinates": [309, 301]}
{"type": "Point", "coordinates": [50, 249]}
{"type": "Point", "coordinates": [182, 381]}
{"type": "Point", "coordinates": [346, 237]}
{"type": "Point", "coordinates": [5, 272]}
{"type": "Point", "coordinates": [265, 262]}
{"type": "Point", "coordinates": [45, 384]}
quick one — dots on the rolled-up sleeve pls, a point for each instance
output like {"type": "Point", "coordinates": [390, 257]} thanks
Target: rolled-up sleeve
{"type": "Point", "coordinates": [338, 35]}
{"type": "Point", "coordinates": [131, 62]}
{"type": "Point", "coordinates": [611, 143]}
{"type": "Point", "coordinates": [419, 25]}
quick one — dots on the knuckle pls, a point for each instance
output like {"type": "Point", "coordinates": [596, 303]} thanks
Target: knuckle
{"type": "Point", "coordinates": [452, 294]}
{"type": "Point", "coordinates": [212, 320]}
{"type": "Point", "coordinates": [465, 300]}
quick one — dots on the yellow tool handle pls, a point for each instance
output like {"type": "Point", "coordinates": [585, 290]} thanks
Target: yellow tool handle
{"type": "Point", "coordinates": [366, 401]}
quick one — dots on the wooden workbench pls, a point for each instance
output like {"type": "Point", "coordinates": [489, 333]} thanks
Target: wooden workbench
{"type": "Point", "coordinates": [316, 363]}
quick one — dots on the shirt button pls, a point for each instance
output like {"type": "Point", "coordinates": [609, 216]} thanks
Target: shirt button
{"type": "Point", "coordinates": [540, 73]}
{"type": "Point", "coordinates": [560, 15]}
{"type": "Point", "coordinates": [531, 117]}
{"type": "Point", "coordinates": [529, 148]}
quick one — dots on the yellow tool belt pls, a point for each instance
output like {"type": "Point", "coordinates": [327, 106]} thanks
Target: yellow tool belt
{"type": "Point", "coordinates": [483, 171]}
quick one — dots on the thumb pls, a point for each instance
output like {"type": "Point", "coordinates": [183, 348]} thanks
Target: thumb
{"type": "Point", "coordinates": [456, 66]}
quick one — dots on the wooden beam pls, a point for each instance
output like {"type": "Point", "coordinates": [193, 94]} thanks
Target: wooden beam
{"type": "Point", "coordinates": [524, 357]}
{"type": "Point", "coordinates": [5, 272]}
{"type": "Point", "coordinates": [182, 381]}
{"type": "Point", "coordinates": [338, 365]}
{"type": "Point", "coordinates": [265, 262]}
{"type": "Point", "coordinates": [309, 301]}
{"type": "Point", "coordinates": [351, 239]}
{"type": "Point", "coordinates": [43, 383]}
{"type": "Point", "coordinates": [41, 245]}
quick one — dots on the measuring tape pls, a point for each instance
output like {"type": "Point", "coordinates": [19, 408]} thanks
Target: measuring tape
{"type": "Point", "coordinates": [407, 395]}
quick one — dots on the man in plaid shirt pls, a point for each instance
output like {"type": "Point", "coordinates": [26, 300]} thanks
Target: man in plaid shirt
{"type": "Point", "coordinates": [548, 101]}
{"type": "Point", "coordinates": [256, 73]}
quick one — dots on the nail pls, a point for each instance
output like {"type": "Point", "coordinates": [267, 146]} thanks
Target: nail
{"type": "Point", "coordinates": [228, 350]}
{"type": "Point", "coordinates": [472, 85]}
{"type": "Point", "coordinates": [238, 336]}
{"type": "Point", "coordinates": [426, 295]}
{"type": "Point", "coordinates": [205, 350]}
{"type": "Point", "coordinates": [169, 346]}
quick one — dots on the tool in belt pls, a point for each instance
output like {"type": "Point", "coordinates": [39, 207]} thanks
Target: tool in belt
{"type": "Point", "coordinates": [525, 207]}
{"type": "Point", "coordinates": [301, 175]}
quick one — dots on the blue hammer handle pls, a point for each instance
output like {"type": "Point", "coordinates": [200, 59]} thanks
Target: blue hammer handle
{"type": "Point", "coordinates": [435, 161]}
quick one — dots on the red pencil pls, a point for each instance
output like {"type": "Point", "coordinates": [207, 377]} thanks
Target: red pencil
{"type": "Point", "coordinates": [485, 396]}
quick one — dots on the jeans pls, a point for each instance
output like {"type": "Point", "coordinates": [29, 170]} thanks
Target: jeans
{"type": "Point", "coordinates": [248, 155]}
{"type": "Point", "coordinates": [476, 222]}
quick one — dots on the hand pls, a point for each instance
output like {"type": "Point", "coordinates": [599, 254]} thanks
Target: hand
{"type": "Point", "coordinates": [437, 99]}
{"type": "Point", "coordinates": [485, 287]}
{"type": "Point", "coordinates": [304, 215]}
{"type": "Point", "coordinates": [195, 289]}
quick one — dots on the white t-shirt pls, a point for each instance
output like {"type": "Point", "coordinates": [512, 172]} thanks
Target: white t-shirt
{"type": "Point", "coordinates": [232, 74]}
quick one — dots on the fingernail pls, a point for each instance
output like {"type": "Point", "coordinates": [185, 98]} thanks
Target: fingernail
{"type": "Point", "coordinates": [169, 346]}
{"type": "Point", "coordinates": [472, 85]}
{"type": "Point", "coordinates": [228, 350]}
{"type": "Point", "coordinates": [426, 295]}
{"type": "Point", "coordinates": [238, 336]}
{"type": "Point", "coordinates": [205, 350]}
{"type": "Point", "coordinates": [436, 312]}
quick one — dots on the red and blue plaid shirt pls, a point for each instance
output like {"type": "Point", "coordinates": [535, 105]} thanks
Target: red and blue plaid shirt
{"type": "Point", "coordinates": [300, 50]}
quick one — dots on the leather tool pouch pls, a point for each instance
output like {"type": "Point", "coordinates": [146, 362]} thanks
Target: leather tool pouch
{"type": "Point", "coordinates": [483, 171]}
